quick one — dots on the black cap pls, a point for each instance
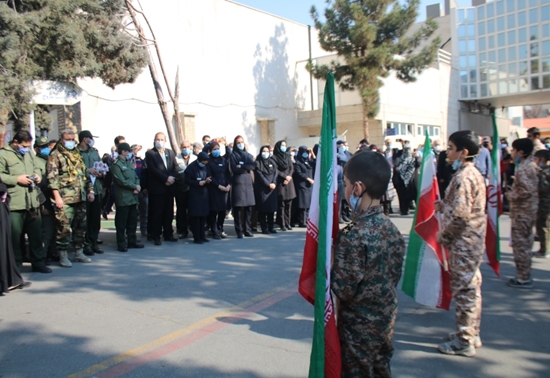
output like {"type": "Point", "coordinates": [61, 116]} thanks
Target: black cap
{"type": "Point", "coordinates": [340, 142]}
{"type": "Point", "coordinates": [202, 156]}
{"type": "Point", "coordinates": [124, 147]}
{"type": "Point", "coordinates": [85, 134]}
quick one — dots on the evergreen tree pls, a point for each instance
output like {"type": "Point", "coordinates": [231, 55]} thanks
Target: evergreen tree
{"type": "Point", "coordinates": [371, 40]}
{"type": "Point", "coordinates": [62, 40]}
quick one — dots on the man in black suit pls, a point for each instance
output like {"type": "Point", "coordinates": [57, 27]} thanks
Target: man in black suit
{"type": "Point", "coordinates": [161, 176]}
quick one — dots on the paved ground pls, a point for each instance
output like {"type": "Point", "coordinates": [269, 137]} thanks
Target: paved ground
{"type": "Point", "coordinates": [230, 309]}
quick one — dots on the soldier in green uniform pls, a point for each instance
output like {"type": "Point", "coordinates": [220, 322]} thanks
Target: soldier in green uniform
{"type": "Point", "coordinates": [90, 155]}
{"type": "Point", "coordinates": [42, 151]}
{"type": "Point", "coordinates": [20, 174]}
{"type": "Point", "coordinates": [127, 188]}
{"type": "Point", "coordinates": [70, 189]}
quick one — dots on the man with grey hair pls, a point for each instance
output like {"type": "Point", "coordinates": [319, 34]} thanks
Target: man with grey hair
{"type": "Point", "coordinates": [197, 148]}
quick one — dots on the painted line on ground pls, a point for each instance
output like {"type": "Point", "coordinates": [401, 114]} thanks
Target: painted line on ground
{"type": "Point", "coordinates": [155, 349]}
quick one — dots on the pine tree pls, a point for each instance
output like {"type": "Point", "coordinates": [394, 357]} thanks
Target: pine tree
{"type": "Point", "coordinates": [62, 40]}
{"type": "Point", "coordinates": [371, 40]}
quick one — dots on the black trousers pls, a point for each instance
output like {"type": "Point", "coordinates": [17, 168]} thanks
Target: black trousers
{"type": "Point", "coordinates": [302, 217]}
{"type": "Point", "coordinates": [242, 225]}
{"type": "Point", "coordinates": [197, 228]}
{"type": "Point", "coordinates": [216, 220]}
{"type": "Point", "coordinates": [161, 214]}
{"type": "Point", "coordinates": [93, 222]}
{"type": "Point", "coordinates": [182, 217]}
{"type": "Point", "coordinates": [285, 207]}
{"type": "Point", "coordinates": [266, 221]}
{"type": "Point", "coordinates": [404, 197]}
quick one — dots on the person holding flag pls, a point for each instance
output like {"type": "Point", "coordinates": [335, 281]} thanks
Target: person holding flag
{"type": "Point", "coordinates": [463, 229]}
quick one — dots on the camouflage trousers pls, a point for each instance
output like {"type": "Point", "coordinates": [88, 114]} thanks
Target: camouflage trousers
{"type": "Point", "coordinates": [522, 242]}
{"type": "Point", "coordinates": [71, 218]}
{"type": "Point", "coordinates": [543, 226]}
{"type": "Point", "coordinates": [466, 291]}
{"type": "Point", "coordinates": [366, 361]}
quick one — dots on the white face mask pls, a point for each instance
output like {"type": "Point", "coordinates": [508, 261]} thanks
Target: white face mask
{"type": "Point", "coordinates": [91, 142]}
{"type": "Point", "coordinates": [437, 148]}
{"type": "Point", "coordinates": [159, 144]}
{"type": "Point", "coordinates": [407, 145]}
{"type": "Point", "coordinates": [240, 146]}
{"type": "Point", "coordinates": [265, 155]}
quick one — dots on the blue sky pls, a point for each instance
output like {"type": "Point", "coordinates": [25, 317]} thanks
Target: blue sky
{"type": "Point", "coordinates": [298, 10]}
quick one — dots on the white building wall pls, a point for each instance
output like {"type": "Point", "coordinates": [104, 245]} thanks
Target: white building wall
{"type": "Point", "coordinates": [236, 64]}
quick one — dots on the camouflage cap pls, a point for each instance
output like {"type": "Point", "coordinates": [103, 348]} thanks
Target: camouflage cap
{"type": "Point", "coordinates": [41, 141]}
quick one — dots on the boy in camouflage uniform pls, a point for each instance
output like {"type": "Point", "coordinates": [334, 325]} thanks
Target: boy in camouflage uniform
{"type": "Point", "coordinates": [368, 257]}
{"type": "Point", "coordinates": [524, 200]}
{"type": "Point", "coordinates": [463, 233]}
{"type": "Point", "coordinates": [67, 178]}
{"type": "Point", "coordinates": [543, 213]}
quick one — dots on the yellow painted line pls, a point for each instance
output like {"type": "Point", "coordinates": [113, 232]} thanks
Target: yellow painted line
{"type": "Point", "coordinates": [174, 335]}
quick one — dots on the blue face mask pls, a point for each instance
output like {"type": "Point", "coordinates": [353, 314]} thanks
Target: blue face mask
{"type": "Point", "coordinates": [45, 151]}
{"type": "Point", "coordinates": [201, 165]}
{"type": "Point", "coordinates": [216, 153]}
{"type": "Point", "coordinates": [547, 145]}
{"type": "Point", "coordinates": [186, 151]}
{"type": "Point", "coordinates": [355, 202]}
{"type": "Point", "coordinates": [518, 160]}
{"type": "Point", "coordinates": [130, 155]}
{"type": "Point", "coordinates": [456, 164]}
{"type": "Point", "coordinates": [69, 145]}
{"type": "Point", "coordinates": [283, 149]}
{"type": "Point", "coordinates": [305, 155]}
{"type": "Point", "coordinates": [23, 150]}
{"type": "Point", "coordinates": [240, 146]}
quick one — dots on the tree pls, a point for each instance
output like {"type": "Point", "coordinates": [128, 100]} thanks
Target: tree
{"type": "Point", "coordinates": [62, 40]}
{"type": "Point", "coordinates": [370, 37]}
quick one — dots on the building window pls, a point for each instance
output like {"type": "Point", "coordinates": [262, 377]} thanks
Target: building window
{"type": "Point", "coordinates": [401, 129]}
{"type": "Point", "coordinates": [433, 131]}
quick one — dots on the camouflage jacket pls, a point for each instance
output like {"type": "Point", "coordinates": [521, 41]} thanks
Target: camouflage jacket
{"type": "Point", "coordinates": [464, 215]}
{"type": "Point", "coordinates": [67, 174]}
{"type": "Point", "coordinates": [544, 189]}
{"type": "Point", "coordinates": [524, 196]}
{"type": "Point", "coordinates": [368, 258]}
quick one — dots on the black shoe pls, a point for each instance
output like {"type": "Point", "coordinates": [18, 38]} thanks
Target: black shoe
{"type": "Point", "coordinates": [217, 237]}
{"type": "Point", "coordinates": [99, 241]}
{"type": "Point", "coordinates": [104, 214]}
{"type": "Point", "coordinates": [272, 231]}
{"type": "Point", "coordinates": [22, 285]}
{"type": "Point", "coordinates": [403, 213]}
{"type": "Point", "coordinates": [97, 250]}
{"type": "Point", "coordinates": [283, 228]}
{"type": "Point", "coordinates": [302, 226]}
{"type": "Point", "coordinates": [41, 269]}
{"type": "Point", "coordinates": [239, 236]}
{"type": "Point", "coordinates": [289, 228]}
{"type": "Point", "coordinates": [265, 232]}
{"type": "Point", "coordinates": [122, 249]}
{"type": "Point", "coordinates": [254, 229]}
{"type": "Point", "coordinates": [205, 240]}
{"type": "Point", "coordinates": [198, 242]}
{"type": "Point", "coordinates": [88, 252]}
{"type": "Point", "coordinates": [248, 235]}
{"type": "Point", "coordinates": [170, 239]}
{"type": "Point", "coordinates": [136, 245]}
{"type": "Point", "coordinates": [149, 238]}
{"type": "Point", "coordinates": [157, 241]}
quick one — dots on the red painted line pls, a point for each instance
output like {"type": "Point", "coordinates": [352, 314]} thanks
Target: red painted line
{"type": "Point", "coordinates": [144, 359]}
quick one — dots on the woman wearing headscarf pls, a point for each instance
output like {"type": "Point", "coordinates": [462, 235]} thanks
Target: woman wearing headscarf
{"type": "Point", "coordinates": [241, 164]}
{"type": "Point", "coordinates": [265, 185]}
{"type": "Point", "coordinates": [303, 181]}
{"type": "Point", "coordinates": [197, 176]}
{"type": "Point", "coordinates": [285, 187]}
{"type": "Point", "coordinates": [218, 190]}
{"type": "Point", "coordinates": [403, 176]}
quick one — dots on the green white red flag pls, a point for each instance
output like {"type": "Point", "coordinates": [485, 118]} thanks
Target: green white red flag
{"type": "Point", "coordinates": [494, 205]}
{"type": "Point", "coordinates": [427, 276]}
{"type": "Point", "coordinates": [322, 228]}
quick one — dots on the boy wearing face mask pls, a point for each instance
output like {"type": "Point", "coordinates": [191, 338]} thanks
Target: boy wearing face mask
{"type": "Point", "coordinates": [463, 229]}
{"type": "Point", "coordinates": [543, 212]}
{"type": "Point", "coordinates": [368, 257]}
{"type": "Point", "coordinates": [70, 190]}
{"type": "Point", "coordinates": [90, 156]}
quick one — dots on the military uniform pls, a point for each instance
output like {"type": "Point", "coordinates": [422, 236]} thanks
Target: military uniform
{"type": "Point", "coordinates": [126, 181]}
{"type": "Point", "coordinates": [67, 175]}
{"type": "Point", "coordinates": [524, 200]}
{"type": "Point", "coordinates": [543, 212]}
{"type": "Point", "coordinates": [368, 258]}
{"type": "Point", "coordinates": [463, 233]}
{"type": "Point", "coordinates": [93, 209]}
{"type": "Point", "coordinates": [24, 206]}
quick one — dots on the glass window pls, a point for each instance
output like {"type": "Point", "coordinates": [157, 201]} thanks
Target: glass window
{"type": "Point", "coordinates": [522, 35]}
{"type": "Point", "coordinates": [461, 15]}
{"type": "Point", "coordinates": [483, 75]}
{"type": "Point", "coordinates": [500, 7]}
{"type": "Point", "coordinates": [534, 49]}
{"type": "Point", "coordinates": [464, 91]}
{"type": "Point", "coordinates": [481, 28]}
{"type": "Point", "coordinates": [512, 53]}
{"type": "Point", "coordinates": [546, 81]}
{"type": "Point", "coordinates": [513, 86]}
{"type": "Point", "coordinates": [481, 44]}
{"type": "Point", "coordinates": [501, 39]}
{"type": "Point", "coordinates": [535, 83]}
{"type": "Point", "coordinates": [462, 30]}
{"type": "Point", "coordinates": [463, 76]}
{"type": "Point", "coordinates": [480, 13]}
{"type": "Point", "coordinates": [545, 13]}
{"type": "Point", "coordinates": [512, 37]}
{"type": "Point", "coordinates": [490, 10]}
{"type": "Point", "coordinates": [534, 32]}
{"type": "Point", "coordinates": [511, 21]}
{"type": "Point", "coordinates": [483, 90]}
{"type": "Point", "coordinates": [545, 48]}
{"type": "Point", "coordinates": [472, 60]}
{"type": "Point", "coordinates": [545, 64]}
{"type": "Point", "coordinates": [462, 45]}
{"type": "Point", "coordinates": [524, 84]}
{"type": "Point", "coordinates": [510, 5]}
{"type": "Point", "coordinates": [535, 66]}
{"type": "Point", "coordinates": [523, 68]}
{"type": "Point", "coordinates": [533, 3]}
{"type": "Point", "coordinates": [492, 73]}
{"type": "Point", "coordinates": [522, 51]}
{"type": "Point", "coordinates": [545, 30]}
{"type": "Point", "coordinates": [419, 130]}
{"type": "Point", "coordinates": [490, 26]}
{"type": "Point", "coordinates": [470, 16]}
{"type": "Point", "coordinates": [501, 25]}
{"type": "Point", "coordinates": [513, 69]}
{"type": "Point", "coordinates": [471, 30]}
{"type": "Point", "coordinates": [463, 61]}
{"type": "Point", "coordinates": [473, 76]}
{"type": "Point", "coordinates": [522, 19]}
{"type": "Point", "coordinates": [502, 73]}
{"type": "Point", "coordinates": [492, 42]}
{"type": "Point", "coordinates": [533, 16]}
{"type": "Point", "coordinates": [437, 131]}
{"type": "Point", "coordinates": [471, 45]}
{"type": "Point", "coordinates": [522, 4]}
{"type": "Point", "coordinates": [502, 87]}
{"type": "Point", "coordinates": [473, 91]}
{"type": "Point", "coordinates": [502, 55]}
{"type": "Point", "coordinates": [492, 56]}
{"type": "Point", "coordinates": [492, 89]}
{"type": "Point", "coordinates": [483, 59]}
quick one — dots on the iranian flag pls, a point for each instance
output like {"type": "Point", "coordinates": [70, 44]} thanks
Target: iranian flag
{"type": "Point", "coordinates": [427, 277]}
{"type": "Point", "coordinates": [494, 205]}
{"type": "Point", "coordinates": [322, 228]}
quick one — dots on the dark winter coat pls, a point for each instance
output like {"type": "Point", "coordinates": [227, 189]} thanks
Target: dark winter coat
{"type": "Point", "coordinates": [219, 169]}
{"type": "Point", "coordinates": [302, 171]}
{"type": "Point", "coordinates": [198, 195]}
{"type": "Point", "coordinates": [266, 199]}
{"type": "Point", "coordinates": [242, 189]}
